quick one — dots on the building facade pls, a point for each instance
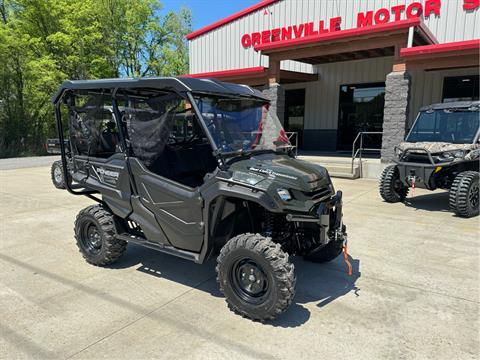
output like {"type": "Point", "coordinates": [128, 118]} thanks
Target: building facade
{"type": "Point", "coordinates": [334, 68]}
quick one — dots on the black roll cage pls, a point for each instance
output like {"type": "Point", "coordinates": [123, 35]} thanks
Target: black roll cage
{"type": "Point", "coordinates": [117, 115]}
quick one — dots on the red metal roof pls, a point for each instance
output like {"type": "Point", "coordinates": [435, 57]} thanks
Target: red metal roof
{"type": "Point", "coordinates": [230, 18]}
{"type": "Point", "coordinates": [440, 48]}
{"type": "Point", "coordinates": [230, 73]}
{"type": "Point", "coordinates": [340, 34]}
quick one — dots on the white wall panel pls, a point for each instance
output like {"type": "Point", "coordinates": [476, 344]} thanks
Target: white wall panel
{"type": "Point", "coordinates": [322, 97]}
{"type": "Point", "coordinates": [220, 49]}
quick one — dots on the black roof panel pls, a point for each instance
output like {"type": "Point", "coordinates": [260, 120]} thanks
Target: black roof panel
{"type": "Point", "coordinates": [180, 84]}
{"type": "Point", "coordinates": [452, 105]}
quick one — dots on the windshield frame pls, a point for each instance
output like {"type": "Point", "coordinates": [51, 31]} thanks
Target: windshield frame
{"type": "Point", "coordinates": [227, 154]}
{"type": "Point", "coordinates": [476, 137]}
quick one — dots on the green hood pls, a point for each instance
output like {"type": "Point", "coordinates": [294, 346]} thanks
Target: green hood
{"type": "Point", "coordinates": [270, 172]}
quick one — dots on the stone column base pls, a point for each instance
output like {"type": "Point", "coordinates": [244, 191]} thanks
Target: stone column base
{"type": "Point", "coordinates": [276, 94]}
{"type": "Point", "coordinates": [395, 113]}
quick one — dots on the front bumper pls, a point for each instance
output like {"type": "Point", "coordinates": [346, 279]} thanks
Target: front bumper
{"type": "Point", "coordinates": [328, 217]}
{"type": "Point", "coordinates": [421, 174]}
{"type": "Point", "coordinates": [418, 174]}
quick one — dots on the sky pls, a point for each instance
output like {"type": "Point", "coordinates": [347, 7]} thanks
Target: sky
{"type": "Point", "coordinates": [205, 12]}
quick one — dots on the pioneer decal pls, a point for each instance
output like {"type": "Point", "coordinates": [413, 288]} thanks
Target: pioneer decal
{"type": "Point", "coordinates": [106, 176]}
{"type": "Point", "coordinates": [271, 173]}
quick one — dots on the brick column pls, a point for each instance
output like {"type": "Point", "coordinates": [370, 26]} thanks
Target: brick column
{"type": "Point", "coordinates": [276, 93]}
{"type": "Point", "coordinates": [395, 113]}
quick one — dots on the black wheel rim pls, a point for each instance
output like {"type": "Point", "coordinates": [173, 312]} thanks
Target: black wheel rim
{"type": "Point", "coordinates": [473, 196]}
{"type": "Point", "coordinates": [91, 238]}
{"type": "Point", "coordinates": [249, 281]}
{"type": "Point", "coordinates": [398, 186]}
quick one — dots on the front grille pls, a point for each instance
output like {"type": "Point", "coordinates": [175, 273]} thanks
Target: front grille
{"type": "Point", "coordinates": [421, 158]}
{"type": "Point", "coordinates": [319, 193]}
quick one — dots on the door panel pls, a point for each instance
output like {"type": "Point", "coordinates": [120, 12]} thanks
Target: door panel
{"type": "Point", "coordinates": [109, 176]}
{"type": "Point", "coordinates": [177, 208]}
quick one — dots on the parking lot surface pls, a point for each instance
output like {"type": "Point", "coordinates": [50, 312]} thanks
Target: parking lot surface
{"type": "Point", "coordinates": [414, 292]}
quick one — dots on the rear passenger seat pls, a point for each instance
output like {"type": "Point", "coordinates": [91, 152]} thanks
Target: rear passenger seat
{"type": "Point", "coordinates": [187, 166]}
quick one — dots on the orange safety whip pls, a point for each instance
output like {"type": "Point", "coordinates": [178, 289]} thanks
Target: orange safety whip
{"type": "Point", "coordinates": [345, 255]}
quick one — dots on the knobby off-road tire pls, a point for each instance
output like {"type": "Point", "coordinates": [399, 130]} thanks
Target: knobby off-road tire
{"type": "Point", "coordinates": [95, 235]}
{"type": "Point", "coordinates": [328, 253]}
{"type": "Point", "coordinates": [256, 277]}
{"type": "Point", "coordinates": [56, 172]}
{"type": "Point", "coordinates": [464, 194]}
{"type": "Point", "coordinates": [391, 188]}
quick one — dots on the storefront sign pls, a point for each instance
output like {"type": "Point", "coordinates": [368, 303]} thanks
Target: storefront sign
{"type": "Point", "coordinates": [366, 18]}
{"type": "Point", "coordinates": [471, 4]}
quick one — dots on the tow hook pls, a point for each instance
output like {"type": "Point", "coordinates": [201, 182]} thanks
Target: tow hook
{"type": "Point", "coordinates": [345, 256]}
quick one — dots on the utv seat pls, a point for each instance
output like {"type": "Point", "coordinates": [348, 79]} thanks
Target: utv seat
{"type": "Point", "coordinates": [187, 166]}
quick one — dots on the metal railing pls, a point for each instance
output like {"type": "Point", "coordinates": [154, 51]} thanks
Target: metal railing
{"type": "Point", "coordinates": [293, 139]}
{"type": "Point", "coordinates": [358, 152]}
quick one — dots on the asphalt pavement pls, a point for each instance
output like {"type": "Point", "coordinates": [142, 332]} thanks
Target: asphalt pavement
{"type": "Point", "coordinates": [414, 292]}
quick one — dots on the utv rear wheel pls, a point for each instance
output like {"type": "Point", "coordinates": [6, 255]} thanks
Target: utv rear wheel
{"type": "Point", "coordinates": [391, 188]}
{"type": "Point", "coordinates": [256, 277]}
{"type": "Point", "coordinates": [57, 174]}
{"type": "Point", "coordinates": [96, 236]}
{"type": "Point", "coordinates": [464, 194]}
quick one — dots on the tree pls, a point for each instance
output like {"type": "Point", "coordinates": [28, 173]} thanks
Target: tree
{"type": "Point", "coordinates": [145, 43]}
{"type": "Point", "coordinates": [43, 42]}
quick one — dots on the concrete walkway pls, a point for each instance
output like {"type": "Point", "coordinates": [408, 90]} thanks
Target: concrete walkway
{"type": "Point", "coordinates": [414, 293]}
{"type": "Point", "coordinates": [27, 162]}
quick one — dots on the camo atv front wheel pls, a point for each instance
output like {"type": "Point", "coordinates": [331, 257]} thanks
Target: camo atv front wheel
{"type": "Point", "coordinates": [95, 234]}
{"type": "Point", "coordinates": [391, 187]}
{"type": "Point", "coordinates": [464, 194]}
{"type": "Point", "coordinates": [256, 277]}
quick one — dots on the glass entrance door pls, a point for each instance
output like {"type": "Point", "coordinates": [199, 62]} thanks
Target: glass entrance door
{"type": "Point", "coordinates": [360, 109]}
{"type": "Point", "coordinates": [295, 113]}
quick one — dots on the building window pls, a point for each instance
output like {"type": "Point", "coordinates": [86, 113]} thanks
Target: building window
{"type": "Point", "coordinates": [460, 88]}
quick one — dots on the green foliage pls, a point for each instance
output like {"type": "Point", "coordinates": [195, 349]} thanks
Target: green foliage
{"type": "Point", "coordinates": [43, 42]}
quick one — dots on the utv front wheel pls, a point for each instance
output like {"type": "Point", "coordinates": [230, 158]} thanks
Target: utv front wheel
{"type": "Point", "coordinates": [57, 174]}
{"type": "Point", "coordinates": [391, 187]}
{"type": "Point", "coordinates": [464, 194]}
{"type": "Point", "coordinates": [95, 236]}
{"type": "Point", "coordinates": [256, 277]}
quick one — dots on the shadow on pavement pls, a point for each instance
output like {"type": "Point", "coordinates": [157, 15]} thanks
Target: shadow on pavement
{"type": "Point", "coordinates": [437, 201]}
{"type": "Point", "coordinates": [321, 283]}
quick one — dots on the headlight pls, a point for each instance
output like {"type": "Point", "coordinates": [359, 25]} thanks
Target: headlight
{"type": "Point", "coordinates": [459, 154]}
{"type": "Point", "coordinates": [452, 155]}
{"type": "Point", "coordinates": [284, 194]}
{"type": "Point", "coordinates": [472, 155]}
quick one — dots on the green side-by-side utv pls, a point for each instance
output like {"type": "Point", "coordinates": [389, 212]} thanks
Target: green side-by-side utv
{"type": "Point", "coordinates": [196, 168]}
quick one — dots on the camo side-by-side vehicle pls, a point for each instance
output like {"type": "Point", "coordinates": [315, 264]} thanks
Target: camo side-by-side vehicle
{"type": "Point", "coordinates": [441, 151]}
{"type": "Point", "coordinates": [194, 168]}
